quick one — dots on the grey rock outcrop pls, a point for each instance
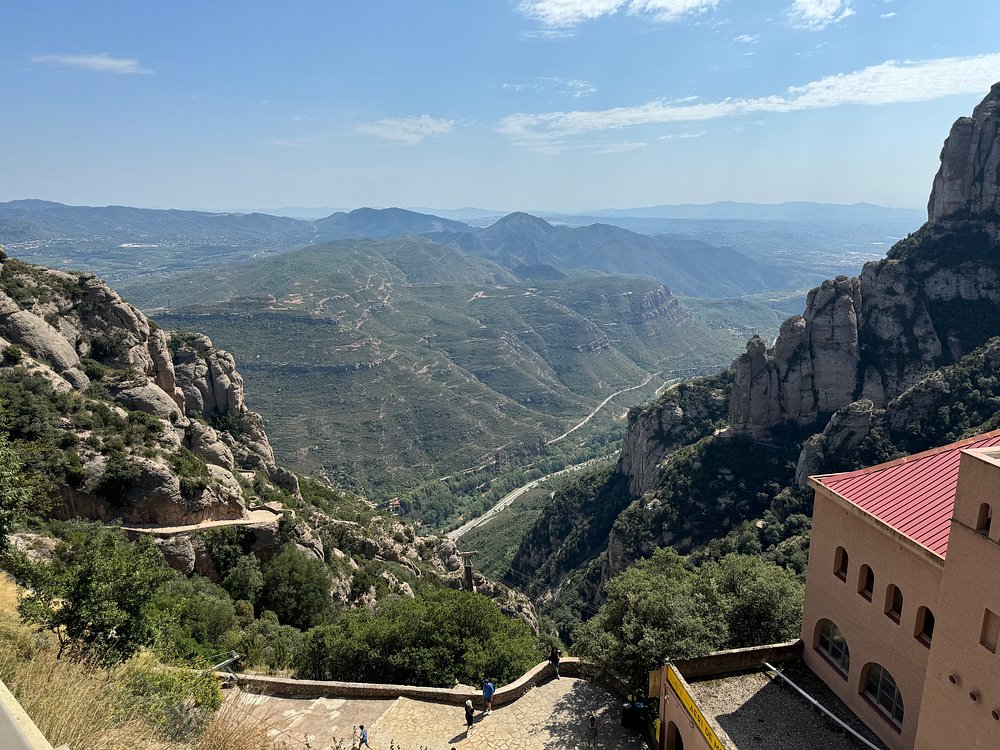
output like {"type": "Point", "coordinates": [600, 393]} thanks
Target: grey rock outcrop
{"type": "Point", "coordinates": [207, 443]}
{"type": "Point", "coordinates": [812, 368]}
{"type": "Point", "coordinates": [207, 377]}
{"type": "Point", "coordinates": [968, 182]}
{"type": "Point", "coordinates": [841, 436]}
{"type": "Point", "coordinates": [876, 335]}
{"type": "Point", "coordinates": [178, 551]}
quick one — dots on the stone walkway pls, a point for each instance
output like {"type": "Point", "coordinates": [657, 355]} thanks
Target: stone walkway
{"type": "Point", "coordinates": [553, 715]}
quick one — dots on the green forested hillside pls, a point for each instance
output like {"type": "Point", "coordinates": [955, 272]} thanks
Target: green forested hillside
{"type": "Point", "coordinates": [387, 363]}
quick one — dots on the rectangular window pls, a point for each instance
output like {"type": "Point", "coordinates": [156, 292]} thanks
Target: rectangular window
{"type": "Point", "coordinates": [991, 631]}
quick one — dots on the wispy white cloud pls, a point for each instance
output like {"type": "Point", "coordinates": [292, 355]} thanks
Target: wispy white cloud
{"type": "Point", "coordinates": [814, 15]}
{"type": "Point", "coordinates": [407, 130]}
{"type": "Point", "coordinates": [572, 87]}
{"type": "Point", "coordinates": [101, 62]}
{"type": "Point", "coordinates": [568, 13]}
{"type": "Point", "coordinates": [683, 136]}
{"type": "Point", "coordinates": [891, 14]}
{"type": "Point", "coordinates": [890, 82]}
{"type": "Point", "coordinates": [548, 33]}
{"type": "Point", "coordinates": [748, 38]}
{"type": "Point", "coordinates": [619, 147]}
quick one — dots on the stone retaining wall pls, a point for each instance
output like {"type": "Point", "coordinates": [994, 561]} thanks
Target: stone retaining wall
{"type": "Point", "coordinates": [282, 687]}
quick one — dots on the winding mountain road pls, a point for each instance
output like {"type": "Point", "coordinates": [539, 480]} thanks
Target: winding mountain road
{"type": "Point", "coordinates": [510, 497]}
{"type": "Point", "coordinates": [600, 406]}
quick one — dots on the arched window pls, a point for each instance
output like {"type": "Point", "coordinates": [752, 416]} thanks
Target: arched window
{"type": "Point", "coordinates": [924, 629]}
{"type": "Point", "coordinates": [866, 582]}
{"type": "Point", "coordinates": [840, 560]}
{"type": "Point", "coordinates": [984, 519]}
{"type": "Point", "coordinates": [831, 643]}
{"type": "Point", "coordinates": [880, 688]}
{"type": "Point", "coordinates": [893, 602]}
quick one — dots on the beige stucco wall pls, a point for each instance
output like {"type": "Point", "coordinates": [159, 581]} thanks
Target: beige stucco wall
{"type": "Point", "coordinates": [673, 714]}
{"type": "Point", "coordinates": [870, 634]}
{"type": "Point", "coordinates": [971, 584]}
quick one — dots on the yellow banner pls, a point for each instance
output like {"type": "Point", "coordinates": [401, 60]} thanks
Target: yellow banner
{"type": "Point", "coordinates": [673, 679]}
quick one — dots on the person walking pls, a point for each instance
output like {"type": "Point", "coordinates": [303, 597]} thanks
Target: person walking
{"type": "Point", "coordinates": [488, 690]}
{"type": "Point", "coordinates": [592, 732]}
{"type": "Point", "coordinates": [554, 656]}
{"type": "Point", "coordinates": [469, 715]}
{"type": "Point", "coordinates": [364, 738]}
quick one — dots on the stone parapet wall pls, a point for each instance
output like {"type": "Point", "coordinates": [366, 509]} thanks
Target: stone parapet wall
{"type": "Point", "coordinates": [738, 660]}
{"type": "Point", "coordinates": [289, 688]}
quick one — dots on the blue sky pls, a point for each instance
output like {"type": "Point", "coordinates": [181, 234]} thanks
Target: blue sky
{"type": "Point", "coordinates": [506, 104]}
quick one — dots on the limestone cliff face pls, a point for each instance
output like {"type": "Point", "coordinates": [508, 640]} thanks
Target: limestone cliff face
{"type": "Point", "coordinates": [924, 306]}
{"type": "Point", "coordinates": [968, 182]}
{"type": "Point", "coordinates": [61, 326]}
{"type": "Point", "coordinates": [684, 413]}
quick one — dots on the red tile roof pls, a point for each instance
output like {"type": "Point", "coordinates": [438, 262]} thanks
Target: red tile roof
{"type": "Point", "coordinates": [914, 495]}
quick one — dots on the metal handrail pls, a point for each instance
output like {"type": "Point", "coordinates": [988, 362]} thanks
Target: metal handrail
{"type": "Point", "coordinates": [823, 708]}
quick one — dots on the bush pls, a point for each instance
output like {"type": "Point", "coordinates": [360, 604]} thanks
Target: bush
{"type": "Point", "coordinates": [178, 702]}
{"type": "Point", "coordinates": [297, 588]}
{"type": "Point", "coordinates": [194, 617]}
{"type": "Point", "coordinates": [118, 479]}
{"type": "Point", "coordinates": [245, 581]}
{"type": "Point", "coordinates": [13, 354]}
{"type": "Point", "coordinates": [192, 472]}
{"type": "Point", "coordinates": [268, 645]}
{"type": "Point", "coordinates": [93, 369]}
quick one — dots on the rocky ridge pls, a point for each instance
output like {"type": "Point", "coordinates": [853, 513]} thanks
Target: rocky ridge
{"type": "Point", "coordinates": [63, 326]}
{"type": "Point", "coordinates": [873, 336]}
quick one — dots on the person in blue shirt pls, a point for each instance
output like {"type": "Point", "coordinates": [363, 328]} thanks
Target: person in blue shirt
{"type": "Point", "coordinates": [364, 738]}
{"type": "Point", "coordinates": [488, 691]}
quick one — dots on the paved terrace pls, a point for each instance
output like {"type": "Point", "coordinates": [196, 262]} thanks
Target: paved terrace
{"type": "Point", "coordinates": [553, 714]}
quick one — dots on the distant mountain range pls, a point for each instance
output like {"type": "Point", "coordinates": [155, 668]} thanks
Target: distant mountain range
{"type": "Point", "coordinates": [722, 210]}
{"type": "Point", "coordinates": [533, 249]}
{"type": "Point", "coordinates": [791, 211]}
{"type": "Point", "coordinates": [121, 243]}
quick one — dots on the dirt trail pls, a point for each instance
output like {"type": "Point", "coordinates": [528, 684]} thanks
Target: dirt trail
{"type": "Point", "coordinates": [261, 515]}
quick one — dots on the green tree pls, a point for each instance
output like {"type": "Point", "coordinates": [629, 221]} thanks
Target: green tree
{"type": "Point", "coordinates": [95, 594]}
{"type": "Point", "coordinates": [266, 644]}
{"type": "Point", "coordinates": [193, 617]}
{"type": "Point", "coordinates": [297, 588]}
{"type": "Point", "coordinates": [436, 639]}
{"type": "Point", "coordinates": [245, 581]}
{"type": "Point", "coordinates": [763, 603]}
{"type": "Point", "coordinates": [16, 491]}
{"type": "Point", "coordinates": [655, 610]}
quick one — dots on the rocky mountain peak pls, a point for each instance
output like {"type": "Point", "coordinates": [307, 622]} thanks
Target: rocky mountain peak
{"type": "Point", "coordinates": [968, 182]}
{"type": "Point", "coordinates": [926, 305]}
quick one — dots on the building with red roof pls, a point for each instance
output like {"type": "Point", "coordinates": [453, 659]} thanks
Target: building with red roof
{"type": "Point", "coordinates": [902, 607]}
